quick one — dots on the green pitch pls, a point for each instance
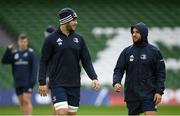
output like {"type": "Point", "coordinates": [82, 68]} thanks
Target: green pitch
{"type": "Point", "coordinates": [89, 110]}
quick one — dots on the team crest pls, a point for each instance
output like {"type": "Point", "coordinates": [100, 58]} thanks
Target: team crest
{"type": "Point", "coordinates": [76, 40]}
{"type": "Point", "coordinates": [143, 57]}
{"type": "Point", "coordinates": [16, 56]}
{"type": "Point", "coordinates": [25, 54]}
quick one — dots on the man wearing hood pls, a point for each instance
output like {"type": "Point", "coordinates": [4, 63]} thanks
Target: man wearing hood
{"type": "Point", "coordinates": [145, 73]}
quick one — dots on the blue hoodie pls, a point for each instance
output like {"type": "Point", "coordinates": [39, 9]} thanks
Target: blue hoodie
{"type": "Point", "coordinates": [60, 60]}
{"type": "Point", "coordinates": [144, 67]}
{"type": "Point", "coordinates": [143, 31]}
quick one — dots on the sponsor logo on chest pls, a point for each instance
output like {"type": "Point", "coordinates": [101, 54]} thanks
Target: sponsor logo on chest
{"type": "Point", "coordinates": [142, 57]}
{"type": "Point", "coordinates": [131, 58]}
{"type": "Point", "coordinates": [60, 41]}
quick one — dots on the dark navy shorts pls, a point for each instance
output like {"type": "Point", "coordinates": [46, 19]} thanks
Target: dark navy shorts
{"type": "Point", "coordinates": [138, 107]}
{"type": "Point", "coordinates": [21, 90]}
{"type": "Point", "coordinates": [71, 95]}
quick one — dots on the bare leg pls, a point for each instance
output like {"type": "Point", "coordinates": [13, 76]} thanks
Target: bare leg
{"type": "Point", "coordinates": [72, 113]}
{"type": "Point", "coordinates": [62, 112]}
{"type": "Point", "coordinates": [25, 103]}
{"type": "Point", "coordinates": [149, 113]}
{"type": "Point", "coordinates": [53, 111]}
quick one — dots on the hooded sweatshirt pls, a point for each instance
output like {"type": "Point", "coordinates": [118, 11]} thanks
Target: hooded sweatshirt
{"type": "Point", "coordinates": [144, 67]}
{"type": "Point", "coordinates": [60, 60]}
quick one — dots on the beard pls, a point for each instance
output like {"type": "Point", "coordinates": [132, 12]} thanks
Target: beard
{"type": "Point", "coordinates": [138, 41]}
{"type": "Point", "coordinates": [69, 28]}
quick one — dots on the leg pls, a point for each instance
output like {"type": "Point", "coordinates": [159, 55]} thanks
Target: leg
{"type": "Point", "coordinates": [73, 100]}
{"type": "Point", "coordinates": [20, 102]}
{"type": "Point", "coordinates": [53, 111]}
{"type": "Point", "coordinates": [59, 99]}
{"type": "Point", "coordinates": [149, 108]}
{"type": "Point", "coordinates": [61, 108]}
{"type": "Point", "coordinates": [72, 110]}
{"type": "Point", "coordinates": [72, 113]}
{"type": "Point", "coordinates": [62, 112]}
{"type": "Point", "coordinates": [134, 108]}
{"type": "Point", "coordinates": [149, 113]}
{"type": "Point", "coordinates": [25, 103]}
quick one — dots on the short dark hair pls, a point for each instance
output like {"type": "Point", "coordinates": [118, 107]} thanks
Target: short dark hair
{"type": "Point", "coordinates": [22, 36]}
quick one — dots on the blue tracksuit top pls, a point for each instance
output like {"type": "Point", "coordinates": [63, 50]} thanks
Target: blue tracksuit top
{"type": "Point", "coordinates": [60, 60]}
{"type": "Point", "coordinates": [24, 66]}
{"type": "Point", "coordinates": [144, 68]}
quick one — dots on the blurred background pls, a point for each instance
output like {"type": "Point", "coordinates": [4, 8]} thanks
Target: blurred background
{"type": "Point", "coordinates": [105, 25]}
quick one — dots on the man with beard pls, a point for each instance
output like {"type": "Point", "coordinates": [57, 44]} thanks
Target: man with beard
{"type": "Point", "coordinates": [62, 52]}
{"type": "Point", "coordinates": [145, 73]}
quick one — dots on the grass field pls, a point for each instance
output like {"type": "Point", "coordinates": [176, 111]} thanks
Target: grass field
{"type": "Point", "coordinates": [89, 110]}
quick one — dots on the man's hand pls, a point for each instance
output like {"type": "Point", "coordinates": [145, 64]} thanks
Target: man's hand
{"type": "Point", "coordinates": [95, 84]}
{"type": "Point", "coordinates": [43, 90]}
{"type": "Point", "coordinates": [157, 98]}
{"type": "Point", "coordinates": [11, 46]}
{"type": "Point", "coordinates": [117, 87]}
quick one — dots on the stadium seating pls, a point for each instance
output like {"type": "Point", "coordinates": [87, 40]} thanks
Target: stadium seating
{"type": "Point", "coordinates": [32, 17]}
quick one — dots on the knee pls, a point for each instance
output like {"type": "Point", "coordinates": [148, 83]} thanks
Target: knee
{"type": "Point", "coordinates": [62, 112]}
{"type": "Point", "coordinates": [72, 113]}
{"type": "Point", "coordinates": [26, 101]}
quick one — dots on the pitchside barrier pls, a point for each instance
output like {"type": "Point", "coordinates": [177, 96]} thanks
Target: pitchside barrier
{"type": "Point", "coordinates": [88, 97]}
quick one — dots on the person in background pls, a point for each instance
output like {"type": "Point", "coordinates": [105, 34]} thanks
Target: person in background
{"type": "Point", "coordinates": [24, 70]}
{"type": "Point", "coordinates": [48, 31]}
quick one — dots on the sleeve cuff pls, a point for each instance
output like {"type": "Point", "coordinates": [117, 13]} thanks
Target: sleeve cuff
{"type": "Point", "coordinates": [115, 83]}
{"type": "Point", "coordinates": [160, 92]}
{"type": "Point", "coordinates": [94, 77]}
{"type": "Point", "coordinates": [42, 82]}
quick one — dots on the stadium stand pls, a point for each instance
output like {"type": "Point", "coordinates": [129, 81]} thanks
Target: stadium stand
{"type": "Point", "coordinates": [32, 17]}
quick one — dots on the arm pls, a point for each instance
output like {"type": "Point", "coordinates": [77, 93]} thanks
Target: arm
{"type": "Point", "coordinates": [8, 55]}
{"type": "Point", "coordinates": [87, 65]}
{"type": "Point", "coordinates": [119, 70]}
{"type": "Point", "coordinates": [45, 57]}
{"type": "Point", "coordinates": [160, 78]}
{"type": "Point", "coordinates": [33, 69]}
{"type": "Point", "coordinates": [86, 62]}
{"type": "Point", "coordinates": [160, 74]}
